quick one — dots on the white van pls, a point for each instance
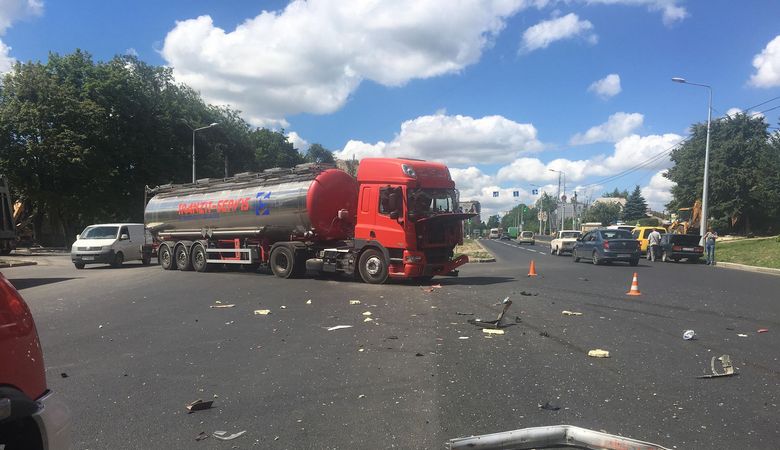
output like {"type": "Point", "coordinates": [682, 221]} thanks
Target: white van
{"type": "Point", "coordinates": [112, 243]}
{"type": "Point", "coordinates": [495, 233]}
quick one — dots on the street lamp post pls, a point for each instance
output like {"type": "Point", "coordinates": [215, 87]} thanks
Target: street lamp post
{"type": "Point", "coordinates": [195, 130]}
{"type": "Point", "coordinates": [558, 200]}
{"type": "Point", "coordinates": [705, 189]}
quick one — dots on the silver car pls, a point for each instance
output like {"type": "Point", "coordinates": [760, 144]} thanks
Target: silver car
{"type": "Point", "coordinates": [526, 237]}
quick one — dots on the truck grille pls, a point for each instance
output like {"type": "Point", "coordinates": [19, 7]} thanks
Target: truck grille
{"type": "Point", "coordinates": [437, 255]}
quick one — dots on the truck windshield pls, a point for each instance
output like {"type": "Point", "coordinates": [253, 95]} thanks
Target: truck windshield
{"type": "Point", "coordinates": [99, 233]}
{"type": "Point", "coordinates": [424, 202]}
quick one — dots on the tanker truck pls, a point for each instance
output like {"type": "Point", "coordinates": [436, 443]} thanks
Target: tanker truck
{"type": "Point", "coordinates": [399, 218]}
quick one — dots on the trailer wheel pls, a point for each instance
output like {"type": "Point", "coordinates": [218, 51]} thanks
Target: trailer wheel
{"type": "Point", "coordinates": [199, 257]}
{"type": "Point", "coordinates": [166, 258]}
{"type": "Point", "coordinates": [282, 262]}
{"type": "Point", "coordinates": [373, 267]}
{"type": "Point", "coordinates": [183, 262]}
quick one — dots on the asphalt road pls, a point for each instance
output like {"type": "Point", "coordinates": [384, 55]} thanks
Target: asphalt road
{"type": "Point", "coordinates": [138, 343]}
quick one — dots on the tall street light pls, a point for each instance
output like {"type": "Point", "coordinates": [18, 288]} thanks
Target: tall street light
{"type": "Point", "coordinates": [558, 200]}
{"type": "Point", "coordinates": [195, 130]}
{"type": "Point", "coordinates": [705, 190]}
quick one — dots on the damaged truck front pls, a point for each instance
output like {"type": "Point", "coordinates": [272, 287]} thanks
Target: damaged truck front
{"type": "Point", "coordinates": [398, 219]}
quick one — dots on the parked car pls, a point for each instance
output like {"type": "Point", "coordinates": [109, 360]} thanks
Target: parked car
{"type": "Point", "coordinates": [31, 416]}
{"type": "Point", "coordinates": [641, 234]}
{"type": "Point", "coordinates": [606, 246]}
{"type": "Point", "coordinates": [675, 247]}
{"type": "Point", "coordinates": [526, 237]}
{"type": "Point", "coordinates": [112, 243]}
{"type": "Point", "coordinates": [563, 241]}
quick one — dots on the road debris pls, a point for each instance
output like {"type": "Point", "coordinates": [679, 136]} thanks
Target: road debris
{"type": "Point", "coordinates": [230, 323]}
{"type": "Point", "coordinates": [201, 436]}
{"type": "Point", "coordinates": [262, 312]}
{"type": "Point", "coordinates": [368, 319]}
{"type": "Point", "coordinates": [570, 313]}
{"type": "Point", "coordinates": [529, 294]}
{"type": "Point", "coordinates": [493, 323]}
{"type": "Point", "coordinates": [549, 406]}
{"type": "Point", "coordinates": [282, 307]}
{"type": "Point", "coordinates": [598, 353]}
{"type": "Point", "coordinates": [544, 334]}
{"type": "Point", "coordinates": [689, 335]}
{"type": "Point", "coordinates": [308, 302]}
{"type": "Point", "coordinates": [392, 337]}
{"type": "Point", "coordinates": [418, 354]}
{"type": "Point", "coordinates": [463, 337]}
{"type": "Point", "coordinates": [762, 330]}
{"type": "Point", "coordinates": [224, 436]}
{"type": "Point", "coordinates": [492, 331]}
{"type": "Point", "coordinates": [354, 302]}
{"type": "Point", "coordinates": [367, 313]}
{"type": "Point", "coordinates": [464, 314]}
{"type": "Point", "coordinates": [742, 335]}
{"type": "Point", "coordinates": [362, 396]}
{"type": "Point", "coordinates": [728, 369]}
{"type": "Point", "coordinates": [222, 305]}
{"type": "Point", "coordinates": [199, 405]}
{"type": "Point", "coordinates": [64, 375]}
{"type": "Point", "coordinates": [338, 327]}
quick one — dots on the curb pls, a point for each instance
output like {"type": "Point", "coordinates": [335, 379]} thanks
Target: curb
{"type": "Point", "coordinates": [5, 264]}
{"type": "Point", "coordinates": [735, 266]}
{"type": "Point", "coordinates": [483, 260]}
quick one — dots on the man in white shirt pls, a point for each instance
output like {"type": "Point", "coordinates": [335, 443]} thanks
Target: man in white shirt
{"type": "Point", "coordinates": [653, 245]}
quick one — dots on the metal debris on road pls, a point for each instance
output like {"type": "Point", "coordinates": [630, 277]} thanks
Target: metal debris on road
{"type": "Point", "coordinates": [354, 302]}
{"type": "Point", "coordinates": [493, 323]}
{"type": "Point", "coordinates": [463, 337]}
{"type": "Point", "coordinates": [725, 361]}
{"type": "Point", "coordinates": [201, 436]}
{"type": "Point", "coordinates": [64, 375]}
{"type": "Point", "coordinates": [338, 327]}
{"type": "Point", "coordinates": [367, 313]}
{"type": "Point", "coordinates": [598, 353]}
{"type": "Point", "coordinates": [689, 335]}
{"type": "Point", "coordinates": [418, 354]}
{"type": "Point", "coordinates": [549, 406]}
{"type": "Point", "coordinates": [222, 305]}
{"type": "Point", "coordinates": [762, 330]}
{"type": "Point", "coordinates": [741, 335]}
{"type": "Point", "coordinates": [282, 307]}
{"type": "Point", "coordinates": [308, 302]}
{"type": "Point", "coordinates": [199, 405]}
{"type": "Point", "coordinates": [492, 331]}
{"type": "Point", "coordinates": [362, 396]}
{"type": "Point", "coordinates": [570, 313]}
{"type": "Point", "coordinates": [224, 436]}
{"type": "Point", "coordinates": [368, 319]}
{"type": "Point", "coordinates": [262, 312]}
{"type": "Point", "coordinates": [464, 314]}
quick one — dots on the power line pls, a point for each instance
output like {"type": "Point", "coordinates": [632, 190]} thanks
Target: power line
{"type": "Point", "coordinates": [762, 103]}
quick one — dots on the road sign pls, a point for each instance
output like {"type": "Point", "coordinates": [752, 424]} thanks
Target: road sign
{"type": "Point", "coordinates": [495, 193]}
{"type": "Point", "coordinates": [515, 193]}
{"type": "Point", "coordinates": [535, 191]}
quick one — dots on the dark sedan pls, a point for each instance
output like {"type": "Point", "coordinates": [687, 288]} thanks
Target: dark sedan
{"type": "Point", "coordinates": [606, 246]}
{"type": "Point", "coordinates": [675, 247]}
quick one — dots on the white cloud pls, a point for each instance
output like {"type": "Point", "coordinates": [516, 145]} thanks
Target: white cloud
{"type": "Point", "coordinates": [629, 152]}
{"type": "Point", "coordinates": [618, 126]}
{"type": "Point", "coordinates": [733, 112]}
{"type": "Point", "coordinates": [767, 64]}
{"type": "Point", "coordinates": [658, 192]}
{"type": "Point", "coordinates": [311, 56]}
{"type": "Point", "coordinates": [131, 52]}
{"type": "Point", "coordinates": [298, 142]}
{"type": "Point", "coordinates": [672, 12]}
{"type": "Point", "coordinates": [11, 11]}
{"type": "Point", "coordinates": [6, 60]}
{"type": "Point", "coordinates": [455, 140]}
{"type": "Point", "coordinates": [606, 87]}
{"type": "Point", "coordinates": [546, 32]}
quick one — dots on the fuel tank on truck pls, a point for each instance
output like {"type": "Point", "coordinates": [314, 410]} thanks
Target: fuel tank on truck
{"type": "Point", "coordinates": [311, 201]}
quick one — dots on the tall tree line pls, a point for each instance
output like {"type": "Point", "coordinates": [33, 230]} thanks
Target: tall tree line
{"type": "Point", "coordinates": [80, 139]}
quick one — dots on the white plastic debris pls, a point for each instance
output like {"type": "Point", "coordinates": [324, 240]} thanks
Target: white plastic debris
{"type": "Point", "coordinates": [338, 327]}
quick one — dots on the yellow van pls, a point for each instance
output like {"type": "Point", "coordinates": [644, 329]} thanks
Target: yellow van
{"type": "Point", "coordinates": [641, 233]}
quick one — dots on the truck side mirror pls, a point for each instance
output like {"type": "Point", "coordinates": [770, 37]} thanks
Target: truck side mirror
{"type": "Point", "coordinates": [124, 237]}
{"type": "Point", "coordinates": [394, 215]}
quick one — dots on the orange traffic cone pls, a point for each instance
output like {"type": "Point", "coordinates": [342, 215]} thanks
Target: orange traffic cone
{"type": "Point", "coordinates": [532, 269]}
{"type": "Point", "coordinates": [634, 287]}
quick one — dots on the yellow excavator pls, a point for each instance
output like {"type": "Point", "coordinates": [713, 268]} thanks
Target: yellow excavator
{"type": "Point", "coordinates": [687, 221]}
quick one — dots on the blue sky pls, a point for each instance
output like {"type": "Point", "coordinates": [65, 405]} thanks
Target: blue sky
{"type": "Point", "coordinates": [502, 91]}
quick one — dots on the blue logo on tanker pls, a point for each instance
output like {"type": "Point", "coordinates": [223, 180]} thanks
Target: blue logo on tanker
{"type": "Point", "coordinates": [261, 206]}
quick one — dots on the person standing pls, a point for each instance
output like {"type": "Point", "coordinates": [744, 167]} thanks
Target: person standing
{"type": "Point", "coordinates": [709, 245]}
{"type": "Point", "coordinates": [653, 245]}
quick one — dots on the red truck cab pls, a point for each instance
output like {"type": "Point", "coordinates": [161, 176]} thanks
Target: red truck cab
{"type": "Point", "coordinates": [408, 212]}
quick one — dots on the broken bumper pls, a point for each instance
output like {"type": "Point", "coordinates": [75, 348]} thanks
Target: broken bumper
{"type": "Point", "coordinates": [412, 270]}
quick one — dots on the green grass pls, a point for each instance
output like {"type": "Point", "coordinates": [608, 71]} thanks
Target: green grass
{"type": "Point", "coordinates": [753, 252]}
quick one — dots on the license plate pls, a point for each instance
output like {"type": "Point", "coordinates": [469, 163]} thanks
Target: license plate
{"type": "Point", "coordinates": [87, 258]}
{"type": "Point", "coordinates": [687, 249]}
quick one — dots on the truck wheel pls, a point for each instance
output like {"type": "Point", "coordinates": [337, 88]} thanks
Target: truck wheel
{"type": "Point", "coordinates": [119, 258]}
{"type": "Point", "coordinates": [183, 262]}
{"type": "Point", "coordinates": [79, 265]}
{"type": "Point", "coordinates": [373, 268]}
{"type": "Point", "coordinates": [282, 262]}
{"type": "Point", "coordinates": [166, 258]}
{"type": "Point", "coordinates": [199, 258]}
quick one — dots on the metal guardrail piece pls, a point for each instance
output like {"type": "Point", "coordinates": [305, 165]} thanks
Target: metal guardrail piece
{"type": "Point", "coordinates": [552, 436]}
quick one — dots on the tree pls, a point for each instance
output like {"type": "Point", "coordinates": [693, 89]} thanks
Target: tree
{"type": "Point", "coordinates": [616, 194]}
{"type": "Point", "coordinates": [319, 154]}
{"type": "Point", "coordinates": [744, 178]}
{"type": "Point", "coordinates": [272, 149]}
{"type": "Point", "coordinates": [493, 222]}
{"type": "Point", "coordinates": [603, 212]}
{"type": "Point", "coordinates": [636, 206]}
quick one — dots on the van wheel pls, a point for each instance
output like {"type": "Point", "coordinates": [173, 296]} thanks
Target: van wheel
{"type": "Point", "coordinates": [183, 262]}
{"type": "Point", "coordinates": [166, 258]}
{"type": "Point", "coordinates": [119, 258]}
{"type": "Point", "coordinates": [79, 265]}
{"type": "Point", "coordinates": [282, 262]}
{"type": "Point", "coordinates": [373, 267]}
{"type": "Point", "coordinates": [199, 258]}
